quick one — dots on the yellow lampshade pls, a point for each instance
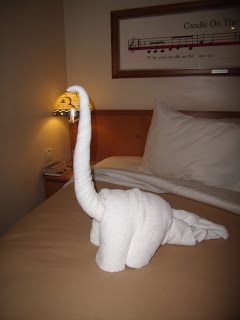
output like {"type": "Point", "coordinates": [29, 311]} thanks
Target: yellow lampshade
{"type": "Point", "coordinates": [68, 105]}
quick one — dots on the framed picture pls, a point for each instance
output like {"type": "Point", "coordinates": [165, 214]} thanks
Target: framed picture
{"type": "Point", "coordinates": [193, 38]}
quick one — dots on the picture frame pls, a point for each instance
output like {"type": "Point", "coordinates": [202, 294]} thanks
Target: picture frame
{"type": "Point", "coordinates": [192, 38]}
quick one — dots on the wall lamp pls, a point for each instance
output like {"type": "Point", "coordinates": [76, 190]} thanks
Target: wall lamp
{"type": "Point", "coordinates": [68, 105]}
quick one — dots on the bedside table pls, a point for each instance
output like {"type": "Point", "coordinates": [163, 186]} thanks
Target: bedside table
{"type": "Point", "coordinates": [54, 183]}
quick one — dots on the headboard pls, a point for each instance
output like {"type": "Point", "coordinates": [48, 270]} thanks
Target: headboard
{"type": "Point", "coordinates": [124, 132]}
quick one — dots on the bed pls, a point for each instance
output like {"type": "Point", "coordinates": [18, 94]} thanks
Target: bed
{"type": "Point", "coordinates": [48, 268]}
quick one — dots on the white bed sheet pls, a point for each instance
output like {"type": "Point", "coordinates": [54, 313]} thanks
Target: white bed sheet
{"type": "Point", "coordinates": [125, 171]}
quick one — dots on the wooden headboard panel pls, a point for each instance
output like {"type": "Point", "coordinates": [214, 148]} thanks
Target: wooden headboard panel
{"type": "Point", "coordinates": [124, 132]}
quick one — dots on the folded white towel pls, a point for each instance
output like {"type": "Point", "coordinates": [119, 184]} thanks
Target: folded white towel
{"type": "Point", "coordinates": [186, 223]}
{"type": "Point", "coordinates": [130, 225]}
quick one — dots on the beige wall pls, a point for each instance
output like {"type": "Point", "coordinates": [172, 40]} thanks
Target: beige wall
{"type": "Point", "coordinates": [87, 29]}
{"type": "Point", "coordinates": [33, 75]}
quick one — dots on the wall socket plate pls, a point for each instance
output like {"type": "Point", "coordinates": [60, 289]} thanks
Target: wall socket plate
{"type": "Point", "coordinates": [48, 155]}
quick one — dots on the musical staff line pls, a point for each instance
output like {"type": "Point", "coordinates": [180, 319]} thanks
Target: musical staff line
{"type": "Point", "coordinates": [186, 41]}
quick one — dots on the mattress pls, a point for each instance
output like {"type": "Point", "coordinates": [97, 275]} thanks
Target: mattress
{"type": "Point", "coordinates": [48, 270]}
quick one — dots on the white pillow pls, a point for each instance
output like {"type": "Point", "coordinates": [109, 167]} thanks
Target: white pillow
{"type": "Point", "coordinates": [189, 148]}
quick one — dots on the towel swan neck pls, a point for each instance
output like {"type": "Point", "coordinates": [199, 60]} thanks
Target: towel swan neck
{"type": "Point", "coordinates": [86, 194]}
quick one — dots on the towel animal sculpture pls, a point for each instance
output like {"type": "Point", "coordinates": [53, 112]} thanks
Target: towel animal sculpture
{"type": "Point", "coordinates": [129, 225]}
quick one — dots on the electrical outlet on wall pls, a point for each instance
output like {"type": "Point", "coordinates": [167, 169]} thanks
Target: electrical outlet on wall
{"type": "Point", "coordinates": [48, 155]}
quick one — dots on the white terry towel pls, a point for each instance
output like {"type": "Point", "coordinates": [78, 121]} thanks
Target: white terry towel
{"type": "Point", "coordinates": [201, 229]}
{"type": "Point", "coordinates": [129, 226]}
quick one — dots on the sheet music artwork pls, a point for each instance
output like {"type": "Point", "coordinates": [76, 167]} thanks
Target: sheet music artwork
{"type": "Point", "coordinates": [184, 40]}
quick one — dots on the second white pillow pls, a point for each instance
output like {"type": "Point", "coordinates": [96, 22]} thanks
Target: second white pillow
{"type": "Point", "coordinates": [189, 148]}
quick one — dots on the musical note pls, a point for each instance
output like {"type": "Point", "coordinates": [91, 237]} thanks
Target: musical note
{"type": "Point", "coordinates": [156, 42]}
{"type": "Point", "coordinates": [182, 41]}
